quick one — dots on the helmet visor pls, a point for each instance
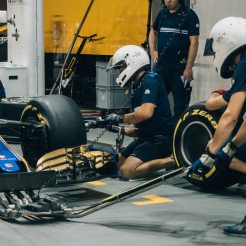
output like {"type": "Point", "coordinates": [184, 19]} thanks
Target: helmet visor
{"type": "Point", "coordinates": [119, 66]}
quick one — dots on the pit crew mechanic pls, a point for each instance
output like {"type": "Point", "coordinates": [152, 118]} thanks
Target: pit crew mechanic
{"type": "Point", "coordinates": [173, 43]}
{"type": "Point", "coordinates": [151, 115]}
{"type": "Point", "coordinates": [230, 62]}
{"type": "Point", "coordinates": [229, 45]}
{"type": "Point", "coordinates": [239, 139]}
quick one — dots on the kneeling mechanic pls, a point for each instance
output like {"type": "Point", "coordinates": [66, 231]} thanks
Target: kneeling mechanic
{"type": "Point", "coordinates": [151, 115]}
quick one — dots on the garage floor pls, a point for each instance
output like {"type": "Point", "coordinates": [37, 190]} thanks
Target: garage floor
{"type": "Point", "coordinates": [175, 213]}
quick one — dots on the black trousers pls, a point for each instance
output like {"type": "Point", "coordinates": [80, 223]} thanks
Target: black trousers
{"type": "Point", "coordinates": [171, 77]}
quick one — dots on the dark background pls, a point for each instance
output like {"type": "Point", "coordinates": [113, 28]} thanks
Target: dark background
{"type": "Point", "coordinates": [3, 5]}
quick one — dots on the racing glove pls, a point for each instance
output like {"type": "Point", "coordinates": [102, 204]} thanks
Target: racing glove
{"type": "Point", "coordinates": [98, 122]}
{"type": "Point", "coordinates": [204, 163]}
{"type": "Point", "coordinates": [114, 119]}
{"type": "Point", "coordinates": [226, 154]}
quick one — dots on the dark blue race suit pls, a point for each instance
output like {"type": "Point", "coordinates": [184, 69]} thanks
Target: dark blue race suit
{"type": "Point", "coordinates": [238, 85]}
{"type": "Point", "coordinates": [155, 134]}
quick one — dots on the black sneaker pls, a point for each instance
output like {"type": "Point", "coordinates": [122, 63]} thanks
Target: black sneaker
{"type": "Point", "coordinates": [237, 229]}
{"type": "Point", "coordinates": [109, 168]}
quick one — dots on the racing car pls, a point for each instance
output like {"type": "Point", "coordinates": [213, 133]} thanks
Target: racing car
{"type": "Point", "coordinates": [55, 150]}
{"type": "Point", "coordinates": [52, 133]}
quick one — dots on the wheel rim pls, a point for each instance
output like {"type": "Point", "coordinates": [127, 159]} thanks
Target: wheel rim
{"type": "Point", "coordinates": [33, 148]}
{"type": "Point", "coordinates": [192, 150]}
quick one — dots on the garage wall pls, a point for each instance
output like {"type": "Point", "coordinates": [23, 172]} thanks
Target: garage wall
{"type": "Point", "coordinates": [209, 12]}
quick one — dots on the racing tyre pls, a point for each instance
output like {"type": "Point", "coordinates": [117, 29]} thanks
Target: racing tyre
{"type": "Point", "coordinates": [192, 133]}
{"type": "Point", "coordinates": [59, 124]}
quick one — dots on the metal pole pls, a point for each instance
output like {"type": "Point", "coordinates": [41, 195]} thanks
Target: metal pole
{"type": "Point", "coordinates": [118, 197]}
{"type": "Point", "coordinates": [59, 78]}
{"type": "Point", "coordinates": [145, 44]}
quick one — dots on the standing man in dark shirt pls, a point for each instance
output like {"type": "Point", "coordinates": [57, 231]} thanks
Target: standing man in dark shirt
{"type": "Point", "coordinates": [151, 115]}
{"type": "Point", "coordinates": [173, 43]}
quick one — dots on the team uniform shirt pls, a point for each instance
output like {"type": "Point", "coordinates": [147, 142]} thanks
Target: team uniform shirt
{"type": "Point", "coordinates": [150, 89]}
{"type": "Point", "coordinates": [238, 82]}
{"type": "Point", "coordinates": [239, 85]}
{"type": "Point", "coordinates": [174, 30]}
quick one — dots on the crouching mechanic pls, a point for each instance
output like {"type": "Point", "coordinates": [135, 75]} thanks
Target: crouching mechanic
{"type": "Point", "coordinates": [236, 164]}
{"type": "Point", "coordinates": [151, 115]}
{"type": "Point", "coordinates": [229, 46]}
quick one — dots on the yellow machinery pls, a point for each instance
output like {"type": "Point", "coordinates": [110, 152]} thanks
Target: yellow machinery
{"type": "Point", "coordinates": [3, 29]}
{"type": "Point", "coordinates": [116, 22]}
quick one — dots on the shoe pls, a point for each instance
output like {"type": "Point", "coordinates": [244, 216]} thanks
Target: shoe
{"type": "Point", "coordinates": [109, 168]}
{"type": "Point", "coordinates": [242, 189]}
{"type": "Point", "coordinates": [237, 229]}
{"type": "Point", "coordinates": [242, 180]}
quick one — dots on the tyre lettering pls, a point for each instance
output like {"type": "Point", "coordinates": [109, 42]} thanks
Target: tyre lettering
{"type": "Point", "coordinates": [40, 117]}
{"type": "Point", "coordinates": [184, 117]}
{"type": "Point", "coordinates": [196, 177]}
{"type": "Point", "coordinates": [25, 109]}
{"type": "Point", "coordinates": [214, 124]}
{"type": "Point", "coordinates": [195, 112]}
{"type": "Point", "coordinates": [34, 109]}
{"type": "Point", "coordinates": [203, 113]}
{"type": "Point", "coordinates": [207, 175]}
{"type": "Point", "coordinates": [208, 116]}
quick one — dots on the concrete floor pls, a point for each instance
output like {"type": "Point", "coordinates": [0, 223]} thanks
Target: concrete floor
{"type": "Point", "coordinates": [174, 213]}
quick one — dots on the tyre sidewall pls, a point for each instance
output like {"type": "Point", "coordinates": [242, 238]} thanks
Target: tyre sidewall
{"type": "Point", "coordinates": [197, 115]}
{"type": "Point", "coordinates": [62, 121]}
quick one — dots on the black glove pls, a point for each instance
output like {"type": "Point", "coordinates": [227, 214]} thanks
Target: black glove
{"type": "Point", "coordinates": [114, 119]}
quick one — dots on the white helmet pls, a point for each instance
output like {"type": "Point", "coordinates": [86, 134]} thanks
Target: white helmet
{"type": "Point", "coordinates": [229, 39]}
{"type": "Point", "coordinates": [129, 59]}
